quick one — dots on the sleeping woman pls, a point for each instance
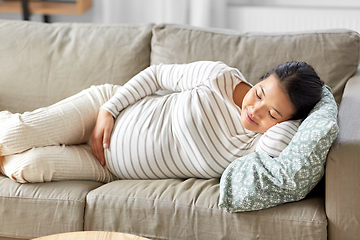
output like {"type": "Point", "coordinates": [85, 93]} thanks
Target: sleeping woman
{"type": "Point", "coordinates": [209, 116]}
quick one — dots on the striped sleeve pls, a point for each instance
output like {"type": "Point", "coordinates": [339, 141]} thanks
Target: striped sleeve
{"type": "Point", "coordinates": [276, 138]}
{"type": "Point", "coordinates": [173, 77]}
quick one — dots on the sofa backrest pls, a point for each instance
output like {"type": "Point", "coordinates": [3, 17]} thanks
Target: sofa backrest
{"type": "Point", "coordinates": [41, 64]}
{"type": "Point", "coordinates": [333, 53]}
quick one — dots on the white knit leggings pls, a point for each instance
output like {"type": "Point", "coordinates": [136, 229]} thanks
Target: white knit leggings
{"type": "Point", "coordinates": [53, 143]}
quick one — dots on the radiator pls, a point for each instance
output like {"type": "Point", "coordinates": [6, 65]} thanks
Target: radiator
{"type": "Point", "coordinates": [280, 19]}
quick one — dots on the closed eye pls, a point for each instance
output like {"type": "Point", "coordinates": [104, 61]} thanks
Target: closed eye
{"type": "Point", "coordinates": [257, 95]}
{"type": "Point", "coordinates": [272, 116]}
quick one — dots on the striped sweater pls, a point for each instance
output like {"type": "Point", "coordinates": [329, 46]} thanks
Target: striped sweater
{"type": "Point", "coordinates": [276, 138]}
{"type": "Point", "coordinates": [194, 131]}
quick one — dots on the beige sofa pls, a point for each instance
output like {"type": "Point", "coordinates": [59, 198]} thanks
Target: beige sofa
{"type": "Point", "coordinates": [44, 63]}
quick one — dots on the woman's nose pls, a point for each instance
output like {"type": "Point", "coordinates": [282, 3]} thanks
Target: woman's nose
{"type": "Point", "coordinates": [257, 111]}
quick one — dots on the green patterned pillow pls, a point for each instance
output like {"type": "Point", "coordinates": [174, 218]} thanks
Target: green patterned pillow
{"type": "Point", "coordinates": [257, 181]}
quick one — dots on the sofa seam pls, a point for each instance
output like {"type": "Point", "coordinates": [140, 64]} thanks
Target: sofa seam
{"type": "Point", "coordinates": [45, 199]}
{"type": "Point", "coordinates": [88, 25]}
{"type": "Point", "coordinates": [254, 34]}
{"type": "Point", "coordinates": [358, 57]}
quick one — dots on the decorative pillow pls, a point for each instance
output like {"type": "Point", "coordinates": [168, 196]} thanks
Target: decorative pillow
{"type": "Point", "coordinates": [276, 138]}
{"type": "Point", "coordinates": [257, 181]}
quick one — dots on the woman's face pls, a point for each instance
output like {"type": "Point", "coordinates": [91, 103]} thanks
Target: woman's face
{"type": "Point", "coordinates": [265, 105]}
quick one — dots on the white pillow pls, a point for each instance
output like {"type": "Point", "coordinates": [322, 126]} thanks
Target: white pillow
{"type": "Point", "coordinates": [276, 138]}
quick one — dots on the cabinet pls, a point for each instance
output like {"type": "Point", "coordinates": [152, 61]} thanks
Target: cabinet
{"type": "Point", "coordinates": [28, 7]}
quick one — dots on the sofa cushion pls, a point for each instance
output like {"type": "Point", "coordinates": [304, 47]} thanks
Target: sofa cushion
{"type": "Point", "coordinates": [257, 181]}
{"type": "Point", "coordinates": [333, 54]}
{"type": "Point", "coordinates": [34, 210]}
{"type": "Point", "coordinates": [188, 209]}
{"type": "Point", "coordinates": [41, 64]}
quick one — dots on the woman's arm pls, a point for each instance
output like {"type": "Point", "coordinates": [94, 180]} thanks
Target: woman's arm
{"type": "Point", "coordinates": [100, 137]}
{"type": "Point", "coordinates": [277, 138]}
{"type": "Point", "coordinates": [173, 77]}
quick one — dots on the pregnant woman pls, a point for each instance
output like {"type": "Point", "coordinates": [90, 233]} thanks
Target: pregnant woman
{"type": "Point", "coordinates": [209, 117]}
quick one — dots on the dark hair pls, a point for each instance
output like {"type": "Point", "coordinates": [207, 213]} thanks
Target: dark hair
{"type": "Point", "coordinates": [301, 83]}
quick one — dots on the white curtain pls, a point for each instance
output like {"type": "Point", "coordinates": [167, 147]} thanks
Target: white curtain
{"type": "Point", "coordinates": [202, 13]}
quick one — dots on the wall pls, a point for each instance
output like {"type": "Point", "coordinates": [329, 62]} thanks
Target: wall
{"type": "Point", "coordinates": [253, 15]}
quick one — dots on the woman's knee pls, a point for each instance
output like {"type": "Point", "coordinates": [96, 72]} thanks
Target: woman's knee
{"type": "Point", "coordinates": [28, 167]}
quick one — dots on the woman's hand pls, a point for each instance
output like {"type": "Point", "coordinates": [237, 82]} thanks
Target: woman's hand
{"type": "Point", "coordinates": [100, 138]}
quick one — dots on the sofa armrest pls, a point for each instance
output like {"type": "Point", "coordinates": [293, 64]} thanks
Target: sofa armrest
{"type": "Point", "coordinates": [343, 168]}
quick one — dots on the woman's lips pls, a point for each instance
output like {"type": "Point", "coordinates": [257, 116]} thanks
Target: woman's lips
{"type": "Point", "coordinates": [249, 118]}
